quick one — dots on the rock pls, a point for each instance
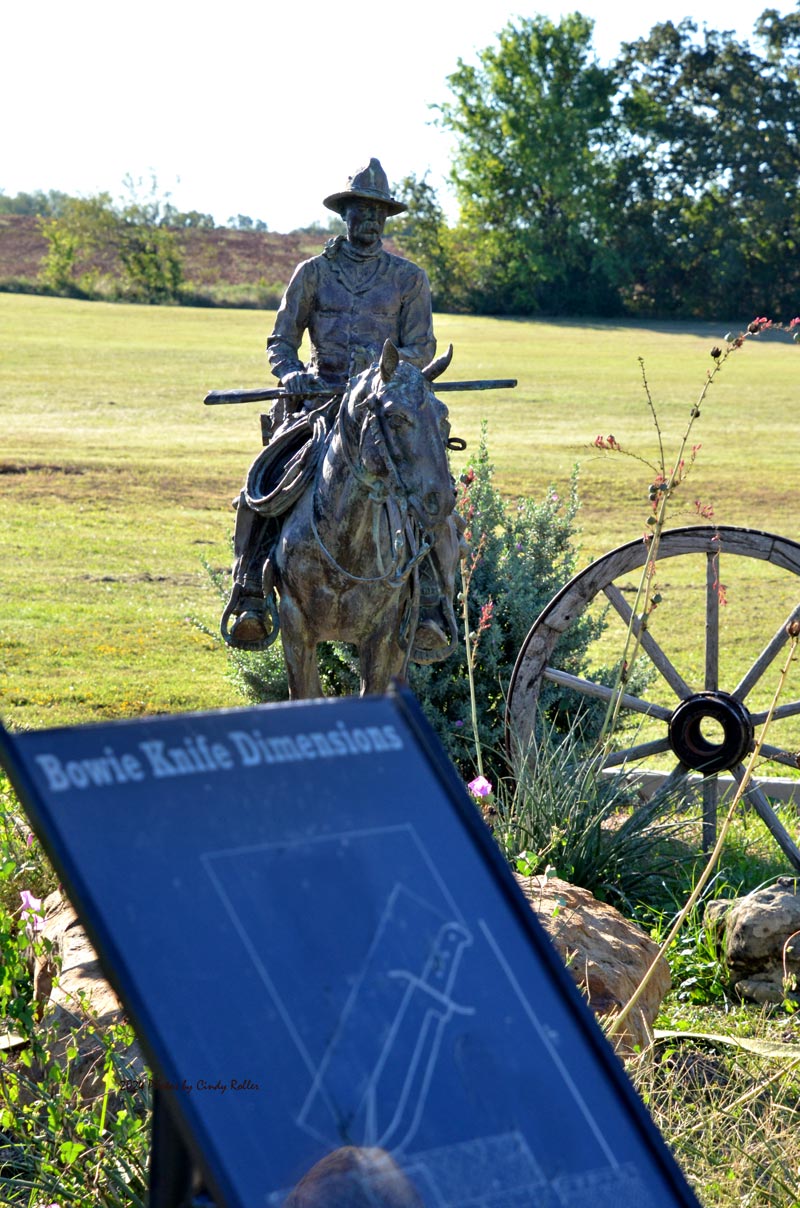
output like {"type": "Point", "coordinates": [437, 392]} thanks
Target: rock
{"type": "Point", "coordinates": [606, 955]}
{"type": "Point", "coordinates": [78, 1000]}
{"type": "Point", "coordinates": [752, 933]}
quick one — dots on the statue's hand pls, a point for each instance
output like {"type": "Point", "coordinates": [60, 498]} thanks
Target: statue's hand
{"type": "Point", "coordinates": [298, 382]}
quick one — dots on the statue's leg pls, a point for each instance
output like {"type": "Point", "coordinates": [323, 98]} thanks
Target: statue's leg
{"type": "Point", "coordinates": [299, 652]}
{"type": "Point", "coordinates": [381, 657]}
{"type": "Point", "coordinates": [437, 632]}
{"type": "Point", "coordinates": [253, 541]}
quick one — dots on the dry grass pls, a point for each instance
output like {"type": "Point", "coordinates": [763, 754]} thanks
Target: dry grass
{"type": "Point", "coordinates": [732, 1119]}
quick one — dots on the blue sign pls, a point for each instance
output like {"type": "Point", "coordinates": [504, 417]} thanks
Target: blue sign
{"type": "Point", "coordinates": [339, 986]}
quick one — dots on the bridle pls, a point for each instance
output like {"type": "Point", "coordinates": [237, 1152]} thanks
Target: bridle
{"type": "Point", "coordinates": [387, 493]}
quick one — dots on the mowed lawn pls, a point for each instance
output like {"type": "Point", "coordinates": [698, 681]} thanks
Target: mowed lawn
{"type": "Point", "coordinates": [117, 482]}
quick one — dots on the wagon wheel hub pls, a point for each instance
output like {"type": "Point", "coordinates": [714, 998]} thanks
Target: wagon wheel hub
{"type": "Point", "coordinates": [710, 732]}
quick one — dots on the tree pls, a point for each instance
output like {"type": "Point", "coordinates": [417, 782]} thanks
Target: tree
{"type": "Point", "coordinates": [173, 217]}
{"type": "Point", "coordinates": [422, 234]}
{"type": "Point", "coordinates": [82, 226]}
{"type": "Point", "coordinates": [134, 234]}
{"type": "Point", "coordinates": [707, 169]}
{"type": "Point", "coordinates": [38, 204]}
{"type": "Point", "coordinates": [243, 222]}
{"type": "Point", "coordinates": [532, 124]}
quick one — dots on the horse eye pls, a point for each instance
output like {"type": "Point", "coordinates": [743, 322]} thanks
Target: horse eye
{"type": "Point", "coordinates": [396, 421]}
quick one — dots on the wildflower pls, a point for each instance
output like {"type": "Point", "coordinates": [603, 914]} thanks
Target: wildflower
{"type": "Point", "coordinates": [31, 912]}
{"type": "Point", "coordinates": [716, 353]}
{"type": "Point", "coordinates": [487, 612]}
{"type": "Point", "coordinates": [794, 322]}
{"type": "Point", "coordinates": [480, 786]}
{"type": "Point", "coordinates": [29, 839]}
{"type": "Point", "coordinates": [459, 724]}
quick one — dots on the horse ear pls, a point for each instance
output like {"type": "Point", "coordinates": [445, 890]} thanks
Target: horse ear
{"type": "Point", "coordinates": [439, 365]}
{"type": "Point", "coordinates": [390, 359]}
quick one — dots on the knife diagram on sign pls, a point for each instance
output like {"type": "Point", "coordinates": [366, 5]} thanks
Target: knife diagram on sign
{"type": "Point", "coordinates": [396, 1018]}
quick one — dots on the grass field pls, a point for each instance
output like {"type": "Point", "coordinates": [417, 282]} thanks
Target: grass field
{"type": "Point", "coordinates": [116, 481]}
{"type": "Point", "coordinates": [116, 485]}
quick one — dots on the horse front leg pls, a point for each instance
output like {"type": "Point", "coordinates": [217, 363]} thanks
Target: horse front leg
{"type": "Point", "coordinates": [380, 659]}
{"type": "Point", "coordinates": [300, 654]}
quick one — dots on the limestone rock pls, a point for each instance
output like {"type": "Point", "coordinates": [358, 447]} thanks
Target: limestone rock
{"type": "Point", "coordinates": [78, 999]}
{"type": "Point", "coordinates": [606, 954]}
{"type": "Point", "coordinates": [752, 933]}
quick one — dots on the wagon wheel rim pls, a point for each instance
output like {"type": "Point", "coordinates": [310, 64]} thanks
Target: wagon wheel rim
{"type": "Point", "coordinates": [683, 737]}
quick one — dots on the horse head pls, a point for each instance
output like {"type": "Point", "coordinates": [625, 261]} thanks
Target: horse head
{"type": "Point", "coordinates": [404, 429]}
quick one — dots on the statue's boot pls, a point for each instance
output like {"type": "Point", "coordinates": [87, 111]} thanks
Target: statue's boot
{"type": "Point", "coordinates": [436, 637]}
{"type": "Point", "coordinates": [251, 601]}
{"type": "Point", "coordinates": [255, 623]}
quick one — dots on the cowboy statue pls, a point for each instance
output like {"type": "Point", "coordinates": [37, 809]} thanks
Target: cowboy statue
{"type": "Point", "coordinates": [350, 300]}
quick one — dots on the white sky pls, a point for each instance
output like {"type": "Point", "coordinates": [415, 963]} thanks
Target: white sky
{"type": "Point", "coordinates": [259, 108]}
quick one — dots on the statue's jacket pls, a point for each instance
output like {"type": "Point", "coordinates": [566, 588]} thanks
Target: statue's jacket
{"type": "Point", "coordinates": [351, 303]}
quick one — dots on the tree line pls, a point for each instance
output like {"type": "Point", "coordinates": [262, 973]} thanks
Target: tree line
{"type": "Point", "coordinates": [664, 183]}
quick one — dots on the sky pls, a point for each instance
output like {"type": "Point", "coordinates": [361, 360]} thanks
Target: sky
{"type": "Point", "coordinates": [261, 108]}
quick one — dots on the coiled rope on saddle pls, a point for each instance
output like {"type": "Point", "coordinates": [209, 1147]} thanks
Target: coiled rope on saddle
{"type": "Point", "coordinates": [283, 470]}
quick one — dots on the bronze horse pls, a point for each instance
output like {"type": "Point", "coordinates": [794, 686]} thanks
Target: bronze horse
{"type": "Point", "coordinates": [346, 564]}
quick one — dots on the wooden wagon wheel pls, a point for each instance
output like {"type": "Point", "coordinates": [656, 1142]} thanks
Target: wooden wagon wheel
{"type": "Point", "coordinates": [700, 710]}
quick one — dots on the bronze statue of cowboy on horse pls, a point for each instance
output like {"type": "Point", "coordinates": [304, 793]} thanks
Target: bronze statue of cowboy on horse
{"type": "Point", "coordinates": [360, 410]}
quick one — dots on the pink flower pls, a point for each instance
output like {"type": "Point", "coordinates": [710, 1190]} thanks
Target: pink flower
{"type": "Point", "coordinates": [480, 786]}
{"type": "Point", "coordinates": [31, 912]}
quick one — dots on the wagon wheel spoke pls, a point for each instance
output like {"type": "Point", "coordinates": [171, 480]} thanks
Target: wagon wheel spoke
{"type": "Point", "coordinates": [600, 692]}
{"type": "Point", "coordinates": [778, 755]}
{"type": "Point", "coordinates": [678, 775]}
{"type": "Point", "coordinates": [790, 709]}
{"type": "Point", "coordinates": [712, 629]}
{"type": "Point", "coordinates": [758, 800]}
{"type": "Point", "coordinates": [640, 751]}
{"type": "Point", "coordinates": [710, 796]}
{"type": "Point", "coordinates": [648, 643]}
{"type": "Point", "coordinates": [763, 661]}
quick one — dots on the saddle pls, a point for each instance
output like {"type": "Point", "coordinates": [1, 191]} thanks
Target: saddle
{"type": "Point", "coordinates": [282, 471]}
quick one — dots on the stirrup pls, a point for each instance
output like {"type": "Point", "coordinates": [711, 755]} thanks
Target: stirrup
{"type": "Point", "coordinates": [256, 620]}
{"type": "Point", "coordinates": [438, 650]}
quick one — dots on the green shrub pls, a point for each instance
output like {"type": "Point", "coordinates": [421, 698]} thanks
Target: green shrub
{"type": "Point", "coordinates": [521, 555]}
